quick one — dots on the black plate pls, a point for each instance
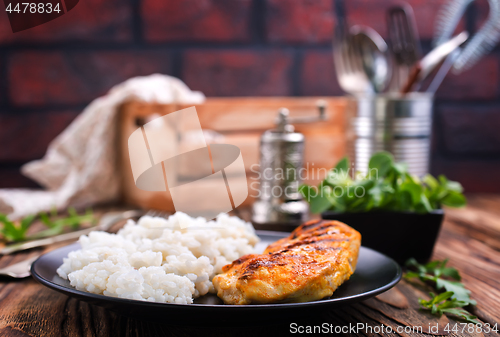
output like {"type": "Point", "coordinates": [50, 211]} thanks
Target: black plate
{"type": "Point", "coordinates": [375, 273]}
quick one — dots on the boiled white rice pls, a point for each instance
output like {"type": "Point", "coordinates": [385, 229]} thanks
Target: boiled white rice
{"type": "Point", "coordinates": [155, 260]}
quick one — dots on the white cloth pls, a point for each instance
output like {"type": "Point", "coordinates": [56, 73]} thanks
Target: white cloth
{"type": "Point", "coordinates": [80, 166]}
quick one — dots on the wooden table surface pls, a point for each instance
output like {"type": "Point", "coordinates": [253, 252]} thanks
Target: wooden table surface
{"type": "Point", "coordinates": [470, 238]}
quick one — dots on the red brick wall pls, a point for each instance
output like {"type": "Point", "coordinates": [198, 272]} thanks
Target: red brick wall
{"type": "Point", "coordinates": [223, 48]}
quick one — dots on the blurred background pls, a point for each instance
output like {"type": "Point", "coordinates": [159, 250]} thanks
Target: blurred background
{"type": "Point", "coordinates": [49, 73]}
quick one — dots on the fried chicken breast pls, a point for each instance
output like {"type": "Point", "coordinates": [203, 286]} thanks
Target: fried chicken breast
{"type": "Point", "coordinates": [308, 265]}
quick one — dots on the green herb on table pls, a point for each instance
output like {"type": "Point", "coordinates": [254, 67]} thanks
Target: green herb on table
{"type": "Point", "coordinates": [16, 231]}
{"type": "Point", "coordinates": [453, 295]}
{"type": "Point", "coordinates": [386, 187]}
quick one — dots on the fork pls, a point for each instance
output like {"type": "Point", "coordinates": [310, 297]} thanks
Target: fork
{"type": "Point", "coordinates": [346, 57]}
{"type": "Point", "coordinates": [349, 66]}
{"type": "Point", "coordinates": [107, 220]}
{"type": "Point", "coordinates": [22, 269]}
{"type": "Point", "coordinates": [18, 270]}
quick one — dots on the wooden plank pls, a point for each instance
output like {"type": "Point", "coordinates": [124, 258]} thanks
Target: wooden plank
{"type": "Point", "coordinates": [259, 113]}
{"type": "Point", "coordinates": [29, 309]}
{"type": "Point", "coordinates": [478, 222]}
{"type": "Point", "coordinates": [469, 239]}
{"type": "Point", "coordinates": [479, 266]}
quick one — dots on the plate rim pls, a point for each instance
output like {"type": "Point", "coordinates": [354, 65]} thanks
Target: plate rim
{"type": "Point", "coordinates": [125, 301]}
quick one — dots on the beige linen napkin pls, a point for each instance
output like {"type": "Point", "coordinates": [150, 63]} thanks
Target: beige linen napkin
{"type": "Point", "coordinates": [80, 166]}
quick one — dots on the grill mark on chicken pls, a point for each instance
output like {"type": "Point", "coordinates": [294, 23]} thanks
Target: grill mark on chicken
{"type": "Point", "coordinates": [275, 259]}
{"type": "Point", "coordinates": [308, 265]}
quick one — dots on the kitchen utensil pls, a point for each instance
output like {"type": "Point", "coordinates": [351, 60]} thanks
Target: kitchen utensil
{"type": "Point", "coordinates": [425, 66]}
{"type": "Point", "coordinates": [18, 270]}
{"type": "Point", "coordinates": [360, 56]}
{"type": "Point", "coordinates": [368, 45]}
{"type": "Point", "coordinates": [403, 42]}
{"type": "Point", "coordinates": [390, 122]}
{"type": "Point", "coordinates": [375, 273]}
{"type": "Point", "coordinates": [351, 75]}
{"type": "Point", "coordinates": [107, 220]}
{"type": "Point", "coordinates": [480, 44]}
{"type": "Point", "coordinates": [281, 159]}
{"type": "Point", "coordinates": [348, 69]}
{"type": "Point", "coordinates": [442, 72]}
{"type": "Point", "coordinates": [447, 20]}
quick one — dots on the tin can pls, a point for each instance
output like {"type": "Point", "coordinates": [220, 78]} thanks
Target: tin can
{"type": "Point", "coordinates": [401, 125]}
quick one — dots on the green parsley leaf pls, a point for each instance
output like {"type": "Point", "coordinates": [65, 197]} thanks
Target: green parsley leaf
{"type": "Point", "coordinates": [380, 163]}
{"type": "Point", "coordinates": [316, 197]}
{"type": "Point", "coordinates": [454, 295]}
{"type": "Point", "coordinates": [386, 187]}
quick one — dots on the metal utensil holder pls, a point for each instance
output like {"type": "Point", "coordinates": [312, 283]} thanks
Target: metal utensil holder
{"type": "Point", "coordinates": [398, 124]}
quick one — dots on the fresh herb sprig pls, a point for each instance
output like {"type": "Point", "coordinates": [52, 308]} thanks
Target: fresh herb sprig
{"type": "Point", "coordinates": [16, 231]}
{"type": "Point", "coordinates": [453, 296]}
{"type": "Point", "coordinates": [388, 186]}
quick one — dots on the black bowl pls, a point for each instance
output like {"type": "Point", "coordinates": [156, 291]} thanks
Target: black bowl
{"type": "Point", "coordinates": [398, 235]}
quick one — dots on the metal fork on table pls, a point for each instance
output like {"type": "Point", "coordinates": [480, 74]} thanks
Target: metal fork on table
{"type": "Point", "coordinates": [21, 269]}
{"type": "Point", "coordinates": [105, 223]}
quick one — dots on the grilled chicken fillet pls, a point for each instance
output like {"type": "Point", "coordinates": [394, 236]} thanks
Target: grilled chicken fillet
{"type": "Point", "coordinates": [308, 265]}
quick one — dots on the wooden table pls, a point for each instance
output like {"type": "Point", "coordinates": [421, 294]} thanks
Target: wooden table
{"type": "Point", "coordinates": [470, 238]}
